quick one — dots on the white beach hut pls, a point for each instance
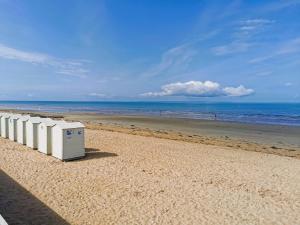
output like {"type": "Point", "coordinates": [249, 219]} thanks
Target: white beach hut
{"type": "Point", "coordinates": [68, 141]}
{"type": "Point", "coordinates": [32, 131]}
{"type": "Point", "coordinates": [4, 125]}
{"type": "Point", "coordinates": [21, 129]}
{"type": "Point", "coordinates": [12, 127]}
{"type": "Point", "coordinates": [1, 114]}
{"type": "Point", "coordinates": [45, 135]}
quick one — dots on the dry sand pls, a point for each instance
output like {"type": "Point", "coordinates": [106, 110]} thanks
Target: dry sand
{"type": "Point", "coordinates": [130, 179]}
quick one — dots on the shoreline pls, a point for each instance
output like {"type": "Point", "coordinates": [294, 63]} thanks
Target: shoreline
{"type": "Point", "coordinates": [116, 116]}
{"type": "Point", "coordinates": [238, 113]}
{"type": "Point", "coordinates": [272, 139]}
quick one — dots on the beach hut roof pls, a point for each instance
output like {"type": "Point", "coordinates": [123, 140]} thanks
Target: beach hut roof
{"type": "Point", "coordinates": [24, 118]}
{"type": "Point", "coordinates": [35, 119]}
{"type": "Point", "coordinates": [67, 125]}
{"type": "Point", "coordinates": [51, 123]}
{"type": "Point", "coordinates": [6, 115]}
{"type": "Point", "coordinates": [48, 123]}
{"type": "Point", "coordinates": [16, 116]}
{"type": "Point", "coordinates": [45, 120]}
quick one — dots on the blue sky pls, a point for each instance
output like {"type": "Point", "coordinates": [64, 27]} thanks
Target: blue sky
{"type": "Point", "coordinates": [150, 50]}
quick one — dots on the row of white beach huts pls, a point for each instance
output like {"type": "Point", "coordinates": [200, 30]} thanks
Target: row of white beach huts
{"type": "Point", "coordinates": [61, 139]}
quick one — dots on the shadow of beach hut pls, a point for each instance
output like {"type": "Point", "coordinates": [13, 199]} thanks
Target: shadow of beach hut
{"type": "Point", "coordinates": [94, 153]}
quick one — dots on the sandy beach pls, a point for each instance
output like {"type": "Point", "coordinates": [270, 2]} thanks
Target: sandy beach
{"type": "Point", "coordinates": [134, 179]}
{"type": "Point", "coordinates": [272, 139]}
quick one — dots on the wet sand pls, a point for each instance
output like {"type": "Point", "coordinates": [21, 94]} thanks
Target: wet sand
{"type": "Point", "coordinates": [132, 179]}
{"type": "Point", "coordinates": [266, 134]}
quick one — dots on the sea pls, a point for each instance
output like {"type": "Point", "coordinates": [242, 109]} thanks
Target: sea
{"type": "Point", "coordinates": [256, 113]}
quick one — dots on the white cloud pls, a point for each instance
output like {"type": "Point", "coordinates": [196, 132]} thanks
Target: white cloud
{"type": "Point", "coordinates": [199, 89]}
{"type": "Point", "coordinates": [99, 95]}
{"type": "Point", "coordinates": [73, 71]}
{"type": "Point", "coordinates": [62, 66]}
{"type": "Point", "coordinates": [237, 91]}
{"type": "Point", "coordinates": [241, 41]}
{"type": "Point", "coordinates": [264, 73]}
{"type": "Point", "coordinates": [242, 37]}
{"type": "Point", "coordinates": [247, 29]}
{"type": "Point", "coordinates": [178, 58]}
{"type": "Point", "coordinates": [289, 47]}
{"type": "Point", "coordinates": [234, 47]}
{"type": "Point", "coordinates": [256, 22]}
{"type": "Point", "coordinates": [280, 5]}
{"type": "Point", "coordinates": [250, 27]}
{"type": "Point", "coordinates": [174, 58]}
{"type": "Point", "coordinates": [260, 59]}
{"type": "Point", "coordinates": [288, 84]}
{"type": "Point", "coordinates": [31, 57]}
{"type": "Point", "coordinates": [292, 46]}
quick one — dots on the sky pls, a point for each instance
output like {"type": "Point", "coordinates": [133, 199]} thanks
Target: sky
{"type": "Point", "coordinates": [193, 50]}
